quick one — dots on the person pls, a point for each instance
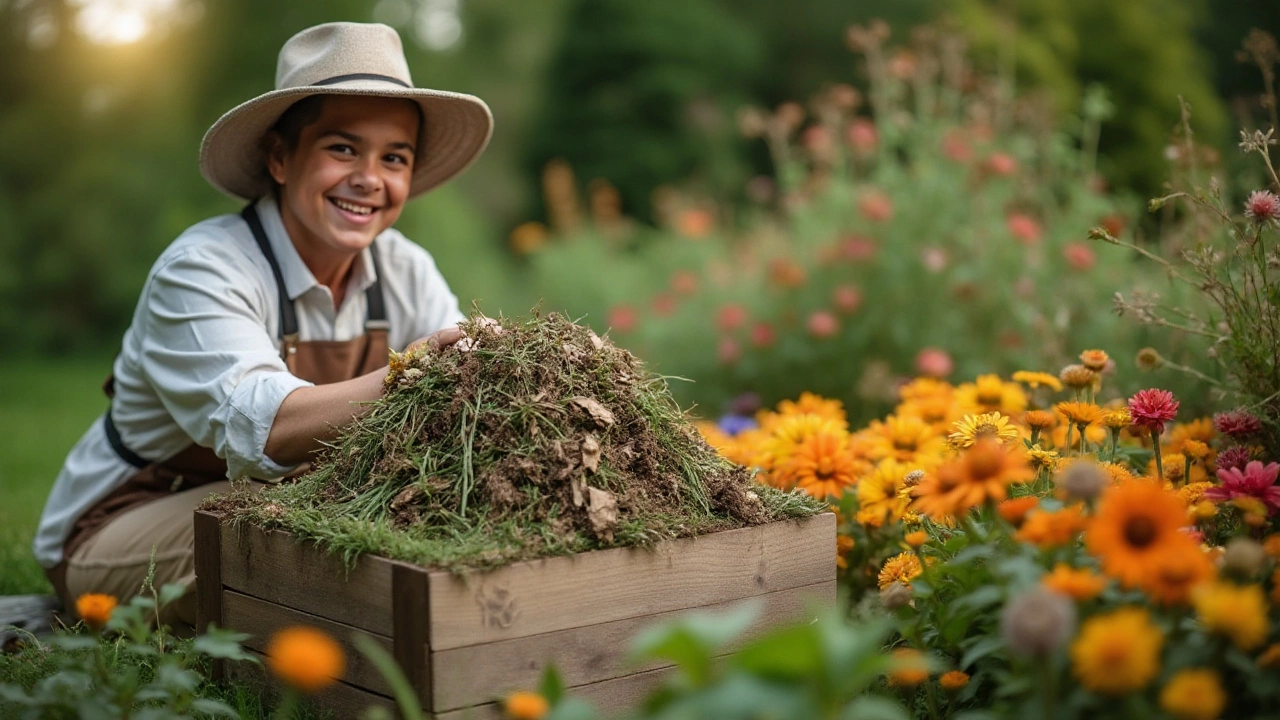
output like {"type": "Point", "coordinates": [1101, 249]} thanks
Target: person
{"type": "Point", "coordinates": [256, 336]}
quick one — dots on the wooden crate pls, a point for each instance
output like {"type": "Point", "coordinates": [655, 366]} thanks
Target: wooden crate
{"type": "Point", "coordinates": [466, 640]}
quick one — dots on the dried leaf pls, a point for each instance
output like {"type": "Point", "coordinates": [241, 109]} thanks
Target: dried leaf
{"type": "Point", "coordinates": [579, 484]}
{"type": "Point", "coordinates": [599, 413]}
{"type": "Point", "coordinates": [596, 342]}
{"type": "Point", "coordinates": [602, 511]}
{"type": "Point", "coordinates": [590, 453]}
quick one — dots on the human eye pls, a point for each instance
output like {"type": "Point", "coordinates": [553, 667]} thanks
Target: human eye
{"type": "Point", "coordinates": [397, 158]}
{"type": "Point", "coordinates": [342, 149]}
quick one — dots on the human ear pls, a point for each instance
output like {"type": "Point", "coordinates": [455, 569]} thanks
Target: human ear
{"type": "Point", "coordinates": [276, 157]}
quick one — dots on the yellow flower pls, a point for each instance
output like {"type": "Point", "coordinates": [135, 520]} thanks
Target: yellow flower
{"type": "Point", "coordinates": [1236, 611]}
{"type": "Point", "coordinates": [1118, 652]}
{"type": "Point", "coordinates": [821, 465]}
{"type": "Point", "coordinates": [1040, 419]}
{"type": "Point", "coordinates": [95, 609]}
{"type": "Point", "coordinates": [714, 436]}
{"type": "Point", "coordinates": [982, 473]}
{"type": "Point", "coordinates": [1042, 459]}
{"type": "Point", "coordinates": [926, 387]}
{"type": "Point", "coordinates": [1078, 584]}
{"type": "Point", "coordinates": [1046, 529]}
{"type": "Point", "coordinates": [905, 439]}
{"type": "Point", "coordinates": [878, 497]}
{"type": "Point", "coordinates": [1014, 510]}
{"type": "Point", "coordinates": [1079, 413]}
{"type": "Point", "coordinates": [526, 706]}
{"type": "Point", "coordinates": [1192, 493]}
{"type": "Point", "coordinates": [953, 681]}
{"type": "Point", "coordinates": [1173, 577]}
{"type": "Point", "coordinates": [916, 538]}
{"type": "Point", "coordinates": [786, 434]}
{"type": "Point", "coordinates": [903, 568]}
{"type": "Point", "coordinates": [305, 658]}
{"type": "Point", "coordinates": [1116, 418]}
{"type": "Point", "coordinates": [990, 394]}
{"type": "Point", "coordinates": [811, 404]}
{"type": "Point", "coordinates": [909, 668]}
{"type": "Point", "coordinates": [1194, 694]}
{"type": "Point", "coordinates": [1095, 360]}
{"type": "Point", "coordinates": [989, 425]}
{"type": "Point", "coordinates": [1195, 449]}
{"type": "Point", "coordinates": [1034, 380]}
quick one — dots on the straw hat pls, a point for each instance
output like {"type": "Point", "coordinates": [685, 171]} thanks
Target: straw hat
{"type": "Point", "coordinates": [344, 59]}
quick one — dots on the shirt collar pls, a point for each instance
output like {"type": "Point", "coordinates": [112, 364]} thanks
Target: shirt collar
{"type": "Point", "coordinates": [297, 276]}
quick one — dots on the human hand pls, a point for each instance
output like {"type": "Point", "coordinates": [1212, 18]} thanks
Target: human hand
{"type": "Point", "coordinates": [437, 340]}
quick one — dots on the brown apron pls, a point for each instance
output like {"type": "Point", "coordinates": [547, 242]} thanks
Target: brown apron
{"type": "Point", "coordinates": [317, 361]}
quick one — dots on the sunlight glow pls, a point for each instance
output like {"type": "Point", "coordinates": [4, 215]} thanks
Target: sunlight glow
{"type": "Point", "coordinates": [119, 22]}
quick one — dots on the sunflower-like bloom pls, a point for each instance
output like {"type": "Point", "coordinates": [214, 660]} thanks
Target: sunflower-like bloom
{"type": "Point", "coordinates": [812, 404]}
{"type": "Point", "coordinates": [1040, 419]}
{"type": "Point", "coordinates": [1078, 584]}
{"type": "Point", "coordinates": [1152, 408]}
{"type": "Point", "coordinates": [937, 412]}
{"type": "Point", "coordinates": [984, 472]}
{"type": "Point", "coordinates": [926, 387]}
{"type": "Point", "coordinates": [305, 658]}
{"type": "Point", "coordinates": [1046, 529]}
{"type": "Point", "coordinates": [1194, 694]}
{"type": "Point", "coordinates": [820, 465]}
{"type": "Point", "coordinates": [1095, 360]}
{"type": "Point", "coordinates": [1238, 612]}
{"type": "Point", "coordinates": [991, 394]}
{"type": "Point", "coordinates": [901, 568]}
{"type": "Point", "coordinates": [1118, 652]}
{"type": "Point", "coordinates": [1137, 524]}
{"type": "Point", "coordinates": [879, 499]}
{"type": "Point", "coordinates": [991, 425]}
{"type": "Point", "coordinates": [1172, 578]}
{"type": "Point", "coordinates": [908, 668]}
{"type": "Point", "coordinates": [1116, 418]}
{"type": "Point", "coordinates": [906, 439]}
{"type": "Point", "coordinates": [1079, 413]}
{"type": "Point", "coordinates": [1034, 380]}
{"type": "Point", "coordinates": [787, 434]}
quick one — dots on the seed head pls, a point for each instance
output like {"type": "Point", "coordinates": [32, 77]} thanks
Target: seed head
{"type": "Point", "coordinates": [1037, 623]}
{"type": "Point", "coordinates": [1243, 558]}
{"type": "Point", "coordinates": [1078, 377]}
{"type": "Point", "coordinates": [895, 595]}
{"type": "Point", "coordinates": [1081, 480]}
{"type": "Point", "coordinates": [1149, 359]}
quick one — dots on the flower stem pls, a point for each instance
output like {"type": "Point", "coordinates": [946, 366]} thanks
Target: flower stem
{"type": "Point", "coordinates": [1155, 446]}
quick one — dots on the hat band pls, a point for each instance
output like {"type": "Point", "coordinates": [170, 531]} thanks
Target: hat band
{"type": "Point", "coordinates": [361, 76]}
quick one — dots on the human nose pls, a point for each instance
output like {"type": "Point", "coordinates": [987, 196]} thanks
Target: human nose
{"type": "Point", "coordinates": [365, 176]}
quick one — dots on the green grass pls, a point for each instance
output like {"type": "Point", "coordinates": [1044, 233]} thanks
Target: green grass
{"type": "Point", "coordinates": [45, 406]}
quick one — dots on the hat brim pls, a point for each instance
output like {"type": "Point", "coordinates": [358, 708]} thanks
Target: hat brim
{"type": "Point", "coordinates": [457, 127]}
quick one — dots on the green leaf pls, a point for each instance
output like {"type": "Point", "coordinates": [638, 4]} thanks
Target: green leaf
{"type": "Point", "coordinates": [980, 649]}
{"type": "Point", "coordinates": [874, 707]}
{"type": "Point", "coordinates": [171, 593]}
{"type": "Point", "coordinates": [788, 652]}
{"type": "Point", "coordinates": [73, 642]}
{"type": "Point", "coordinates": [215, 708]}
{"type": "Point", "coordinates": [406, 698]}
{"type": "Point", "coordinates": [221, 644]}
{"type": "Point", "coordinates": [691, 641]}
{"type": "Point", "coordinates": [552, 685]}
{"type": "Point", "coordinates": [573, 708]}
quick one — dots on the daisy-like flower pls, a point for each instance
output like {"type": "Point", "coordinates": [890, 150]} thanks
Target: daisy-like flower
{"type": "Point", "coordinates": [926, 387]}
{"type": "Point", "coordinates": [937, 412]}
{"type": "Point", "coordinates": [984, 472]}
{"type": "Point", "coordinates": [1136, 524]}
{"type": "Point", "coordinates": [901, 568]}
{"type": "Point", "coordinates": [1050, 529]}
{"type": "Point", "coordinates": [786, 433]}
{"type": "Point", "coordinates": [1172, 578]}
{"type": "Point", "coordinates": [1116, 418]}
{"type": "Point", "coordinates": [812, 404]}
{"type": "Point", "coordinates": [991, 425]}
{"type": "Point", "coordinates": [1117, 653]}
{"type": "Point", "coordinates": [1095, 360]}
{"type": "Point", "coordinates": [1034, 380]}
{"type": "Point", "coordinates": [820, 465]}
{"type": "Point", "coordinates": [1152, 408]}
{"type": "Point", "coordinates": [1042, 459]}
{"type": "Point", "coordinates": [907, 440]}
{"type": "Point", "coordinates": [1079, 413]}
{"type": "Point", "coordinates": [1080, 584]}
{"type": "Point", "coordinates": [1238, 612]}
{"type": "Point", "coordinates": [1014, 510]}
{"type": "Point", "coordinates": [1255, 481]}
{"type": "Point", "coordinates": [1194, 694]}
{"type": "Point", "coordinates": [878, 498]}
{"type": "Point", "coordinates": [1040, 419]}
{"type": "Point", "coordinates": [1078, 377]}
{"type": "Point", "coordinates": [1262, 206]}
{"type": "Point", "coordinates": [1237, 423]}
{"type": "Point", "coordinates": [988, 393]}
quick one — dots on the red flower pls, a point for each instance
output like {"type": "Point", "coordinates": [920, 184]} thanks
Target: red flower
{"type": "Point", "coordinates": [664, 304]}
{"type": "Point", "coordinates": [934, 362]}
{"type": "Point", "coordinates": [623, 318]}
{"type": "Point", "coordinates": [857, 248]}
{"type": "Point", "coordinates": [1256, 481]}
{"type": "Point", "coordinates": [762, 334]}
{"type": "Point", "coordinates": [816, 140]}
{"type": "Point", "coordinates": [1262, 206]}
{"type": "Point", "coordinates": [1234, 457]}
{"type": "Point", "coordinates": [876, 206]}
{"type": "Point", "coordinates": [863, 136]}
{"type": "Point", "coordinates": [956, 147]}
{"type": "Point", "coordinates": [728, 351]}
{"type": "Point", "coordinates": [1002, 164]}
{"type": "Point", "coordinates": [1023, 228]}
{"type": "Point", "coordinates": [822, 324]}
{"type": "Point", "coordinates": [731, 317]}
{"type": "Point", "coordinates": [1079, 255]}
{"type": "Point", "coordinates": [1237, 423]}
{"type": "Point", "coordinates": [847, 298]}
{"type": "Point", "coordinates": [1152, 408]}
{"type": "Point", "coordinates": [684, 282]}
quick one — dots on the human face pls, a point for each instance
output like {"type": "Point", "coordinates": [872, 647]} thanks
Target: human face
{"type": "Point", "coordinates": [348, 177]}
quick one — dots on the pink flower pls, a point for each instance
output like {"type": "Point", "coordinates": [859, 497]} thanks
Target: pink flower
{"type": "Point", "coordinates": [1237, 457]}
{"type": "Point", "coordinates": [876, 206]}
{"type": "Point", "coordinates": [863, 136]}
{"type": "Point", "coordinates": [1256, 481]}
{"type": "Point", "coordinates": [623, 318]}
{"type": "Point", "coordinates": [663, 304]}
{"type": "Point", "coordinates": [1002, 164]}
{"type": "Point", "coordinates": [816, 140]}
{"type": "Point", "coordinates": [1023, 228]}
{"type": "Point", "coordinates": [1262, 206]}
{"type": "Point", "coordinates": [857, 248]}
{"type": "Point", "coordinates": [934, 362]}
{"type": "Point", "coordinates": [1237, 423]}
{"type": "Point", "coordinates": [934, 259]}
{"type": "Point", "coordinates": [1079, 256]}
{"type": "Point", "coordinates": [684, 282]}
{"type": "Point", "coordinates": [956, 147]}
{"type": "Point", "coordinates": [822, 324]}
{"type": "Point", "coordinates": [847, 298]}
{"type": "Point", "coordinates": [1152, 408]}
{"type": "Point", "coordinates": [731, 317]}
{"type": "Point", "coordinates": [762, 334]}
{"type": "Point", "coordinates": [728, 351]}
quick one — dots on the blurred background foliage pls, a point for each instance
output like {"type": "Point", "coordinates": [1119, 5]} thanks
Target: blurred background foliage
{"type": "Point", "coordinates": [103, 104]}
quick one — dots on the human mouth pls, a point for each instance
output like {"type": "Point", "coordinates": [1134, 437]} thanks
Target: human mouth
{"type": "Point", "coordinates": [352, 208]}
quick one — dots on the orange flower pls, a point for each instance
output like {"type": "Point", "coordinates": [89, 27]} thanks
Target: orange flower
{"type": "Point", "coordinates": [1051, 529]}
{"type": "Point", "coordinates": [1014, 510]}
{"type": "Point", "coordinates": [1173, 577]}
{"type": "Point", "coordinates": [526, 706]}
{"type": "Point", "coordinates": [821, 465]}
{"type": "Point", "coordinates": [909, 668]}
{"type": "Point", "coordinates": [305, 658]}
{"type": "Point", "coordinates": [1040, 419]}
{"type": "Point", "coordinates": [984, 472]}
{"type": "Point", "coordinates": [1079, 413]}
{"type": "Point", "coordinates": [95, 609]}
{"type": "Point", "coordinates": [1137, 524]}
{"type": "Point", "coordinates": [1095, 360]}
{"type": "Point", "coordinates": [954, 680]}
{"type": "Point", "coordinates": [844, 544]}
{"type": "Point", "coordinates": [901, 568]}
{"type": "Point", "coordinates": [916, 538]}
{"type": "Point", "coordinates": [812, 404]}
{"type": "Point", "coordinates": [1077, 584]}
{"type": "Point", "coordinates": [1271, 545]}
{"type": "Point", "coordinates": [988, 393]}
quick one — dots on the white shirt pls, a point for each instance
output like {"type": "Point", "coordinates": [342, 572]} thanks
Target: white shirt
{"type": "Point", "coordinates": [201, 360]}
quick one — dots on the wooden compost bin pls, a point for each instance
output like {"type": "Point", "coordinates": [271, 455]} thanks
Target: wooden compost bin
{"type": "Point", "coordinates": [466, 640]}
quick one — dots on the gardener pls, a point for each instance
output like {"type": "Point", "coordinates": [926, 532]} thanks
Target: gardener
{"type": "Point", "coordinates": [257, 335]}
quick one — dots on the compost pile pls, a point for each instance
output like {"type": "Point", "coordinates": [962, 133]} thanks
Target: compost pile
{"type": "Point", "coordinates": [530, 437]}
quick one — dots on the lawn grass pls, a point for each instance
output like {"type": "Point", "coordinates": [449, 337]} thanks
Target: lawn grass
{"type": "Point", "coordinates": [45, 406]}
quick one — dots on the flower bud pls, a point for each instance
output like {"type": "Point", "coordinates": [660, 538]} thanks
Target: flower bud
{"type": "Point", "coordinates": [1082, 480]}
{"type": "Point", "coordinates": [1243, 558]}
{"type": "Point", "coordinates": [895, 595]}
{"type": "Point", "coordinates": [1037, 623]}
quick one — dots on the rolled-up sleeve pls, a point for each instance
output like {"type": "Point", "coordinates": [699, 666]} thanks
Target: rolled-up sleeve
{"type": "Point", "coordinates": [215, 367]}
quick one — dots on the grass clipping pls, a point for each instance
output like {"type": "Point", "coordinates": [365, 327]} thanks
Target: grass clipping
{"type": "Point", "coordinates": [528, 438]}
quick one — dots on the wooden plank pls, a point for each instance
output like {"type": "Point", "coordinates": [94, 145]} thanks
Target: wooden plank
{"type": "Point", "coordinates": [542, 596]}
{"type": "Point", "coordinates": [275, 567]}
{"type": "Point", "coordinates": [584, 655]}
{"type": "Point", "coordinates": [208, 567]}
{"type": "Point", "coordinates": [611, 697]}
{"type": "Point", "coordinates": [340, 699]}
{"type": "Point", "coordinates": [411, 619]}
{"type": "Point", "coordinates": [262, 619]}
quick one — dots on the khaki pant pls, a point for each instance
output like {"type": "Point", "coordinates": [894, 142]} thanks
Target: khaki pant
{"type": "Point", "coordinates": [115, 560]}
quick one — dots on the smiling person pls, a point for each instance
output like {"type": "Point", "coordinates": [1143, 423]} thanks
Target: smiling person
{"type": "Point", "coordinates": [257, 335]}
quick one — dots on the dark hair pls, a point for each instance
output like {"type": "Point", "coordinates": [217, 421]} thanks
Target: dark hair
{"type": "Point", "coordinates": [294, 120]}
